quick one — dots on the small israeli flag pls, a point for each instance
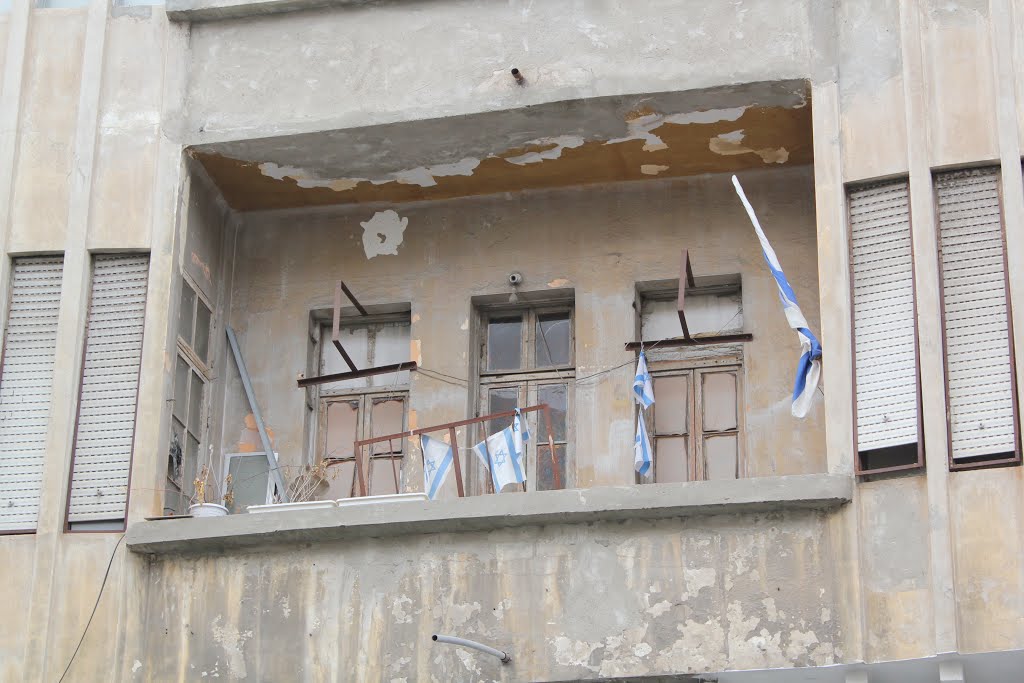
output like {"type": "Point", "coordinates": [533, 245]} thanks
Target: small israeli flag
{"type": "Point", "coordinates": [808, 371]}
{"type": "Point", "coordinates": [437, 463]}
{"type": "Point", "coordinates": [641, 446]}
{"type": "Point", "coordinates": [643, 390]}
{"type": "Point", "coordinates": [499, 454]}
{"type": "Point", "coordinates": [520, 434]}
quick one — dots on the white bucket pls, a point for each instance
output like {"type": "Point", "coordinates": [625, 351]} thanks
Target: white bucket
{"type": "Point", "coordinates": [207, 510]}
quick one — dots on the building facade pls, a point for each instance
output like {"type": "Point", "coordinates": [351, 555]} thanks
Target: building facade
{"type": "Point", "coordinates": [506, 190]}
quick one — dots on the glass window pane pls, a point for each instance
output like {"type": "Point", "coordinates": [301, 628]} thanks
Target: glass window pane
{"type": "Point", "coordinates": [553, 339]}
{"type": "Point", "coordinates": [385, 473]}
{"type": "Point", "coordinates": [355, 341]}
{"type": "Point", "coordinates": [387, 416]}
{"type": "Point", "coordinates": [181, 374]}
{"type": "Point", "coordinates": [671, 404]}
{"type": "Point", "coordinates": [190, 467]}
{"type": "Point", "coordinates": [671, 459]}
{"type": "Point", "coordinates": [391, 346]}
{"type": "Point", "coordinates": [546, 468]}
{"type": "Point", "coordinates": [342, 419]}
{"type": "Point", "coordinates": [556, 396]}
{"type": "Point", "coordinates": [202, 342]}
{"type": "Point", "coordinates": [249, 475]}
{"type": "Point", "coordinates": [720, 457]}
{"type": "Point", "coordinates": [176, 453]}
{"type": "Point", "coordinates": [714, 313]}
{"type": "Point", "coordinates": [195, 405]}
{"type": "Point", "coordinates": [185, 313]}
{"type": "Point", "coordinates": [504, 348]}
{"type": "Point", "coordinates": [500, 400]}
{"type": "Point", "coordinates": [341, 479]}
{"type": "Point", "coordinates": [719, 398]}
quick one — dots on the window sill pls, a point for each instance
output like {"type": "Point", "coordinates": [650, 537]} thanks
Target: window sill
{"type": "Point", "coordinates": [485, 513]}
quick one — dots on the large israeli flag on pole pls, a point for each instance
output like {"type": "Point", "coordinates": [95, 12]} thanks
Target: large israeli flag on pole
{"type": "Point", "coordinates": [808, 371]}
{"type": "Point", "coordinates": [641, 446]}
{"type": "Point", "coordinates": [437, 463]}
{"type": "Point", "coordinates": [643, 390]}
{"type": "Point", "coordinates": [499, 454]}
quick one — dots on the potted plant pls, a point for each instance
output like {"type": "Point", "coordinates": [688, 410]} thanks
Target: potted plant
{"type": "Point", "coordinates": [200, 506]}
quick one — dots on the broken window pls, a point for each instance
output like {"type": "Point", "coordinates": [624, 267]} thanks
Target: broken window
{"type": "Point", "coordinates": [694, 424]}
{"type": "Point", "coordinates": [365, 408]}
{"type": "Point", "coordinates": [527, 358]}
{"type": "Point", "coordinates": [191, 375]}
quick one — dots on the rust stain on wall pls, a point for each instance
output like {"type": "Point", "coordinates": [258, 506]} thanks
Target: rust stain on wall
{"type": "Point", "coordinates": [686, 151]}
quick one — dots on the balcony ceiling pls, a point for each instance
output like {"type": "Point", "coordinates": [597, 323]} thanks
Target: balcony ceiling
{"type": "Point", "coordinates": [560, 144]}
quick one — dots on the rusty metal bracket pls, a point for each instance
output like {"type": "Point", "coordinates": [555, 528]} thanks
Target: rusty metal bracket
{"type": "Point", "coordinates": [354, 373]}
{"type": "Point", "coordinates": [686, 280]}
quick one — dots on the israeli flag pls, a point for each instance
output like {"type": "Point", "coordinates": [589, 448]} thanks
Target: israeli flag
{"type": "Point", "coordinates": [641, 446]}
{"type": "Point", "coordinates": [520, 434]}
{"type": "Point", "coordinates": [808, 370]}
{"type": "Point", "coordinates": [643, 390]}
{"type": "Point", "coordinates": [437, 463]}
{"type": "Point", "coordinates": [499, 453]}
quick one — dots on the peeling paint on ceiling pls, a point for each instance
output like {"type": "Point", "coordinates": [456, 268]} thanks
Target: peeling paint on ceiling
{"type": "Point", "coordinates": [555, 145]}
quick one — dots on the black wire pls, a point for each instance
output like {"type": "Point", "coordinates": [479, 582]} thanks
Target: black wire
{"type": "Point", "coordinates": [97, 604]}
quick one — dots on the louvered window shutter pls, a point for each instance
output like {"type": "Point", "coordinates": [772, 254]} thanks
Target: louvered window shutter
{"type": "Point", "coordinates": [110, 383]}
{"type": "Point", "coordinates": [978, 369]}
{"type": "Point", "coordinates": [883, 316]}
{"type": "Point", "coordinates": [26, 379]}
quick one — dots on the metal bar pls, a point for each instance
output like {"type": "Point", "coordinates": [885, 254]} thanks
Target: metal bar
{"type": "Point", "coordinates": [455, 458]}
{"type": "Point", "coordinates": [394, 468]}
{"type": "Point", "coordinates": [368, 372]}
{"type": "Point", "coordinates": [447, 425]}
{"type": "Point", "coordinates": [473, 645]}
{"type": "Point", "coordinates": [358, 452]}
{"type": "Point", "coordinates": [693, 341]}
{"type": "Point", "coordinates": [551, 446]}
{"type": "Point", "coordinates": [685, 280]}
{"type": "Point", "coordinates": [344, 355]}
{"type": "Point", "coordinates": [275, 470]}
{"type": "Point", "coordinates": [352, 297]}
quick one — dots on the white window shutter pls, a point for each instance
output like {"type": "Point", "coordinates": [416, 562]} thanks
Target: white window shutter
{"type": "Point", "coordinates": [883, 316]}
{"type": "Point", "coordinates": [978, 368]}
{"type": "Point", "coordinates": [110, 384]}
{"type": "Point", "coordinates": [26, 380]}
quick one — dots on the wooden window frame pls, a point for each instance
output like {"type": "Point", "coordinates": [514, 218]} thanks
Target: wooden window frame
{"type": "Point", "coordinates": [528, 378]}
{"type": "Point", "coordinates": [695, 370]}
{"type": "Point", "coordinates": [919, 464]}
{"type": "Point", "coordinates": [978, 462]}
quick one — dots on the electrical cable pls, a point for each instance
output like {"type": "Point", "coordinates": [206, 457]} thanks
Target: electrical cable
{"type": "Point", "coordinates": [93, 613]}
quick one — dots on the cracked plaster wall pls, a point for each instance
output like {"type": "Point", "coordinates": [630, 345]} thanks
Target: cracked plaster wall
{"type": "Point", "coordinates": [701, 595]}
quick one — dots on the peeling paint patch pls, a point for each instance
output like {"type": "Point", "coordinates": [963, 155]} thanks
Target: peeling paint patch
{"type": "Point", "coordinates": [558, 282]}
{"type": "Point", "coordinates": [657, 609]}
{"type": "Point", "coordinates": [382, 234]}
{"type": "Point", "coordinates": [696, 579]}
{"type": "Point", "coordinates": [554, 145]}
{"type": "Point", "coordinates": [416, 351]}
{"type": "Point", "coordinates": [641, 127]}
{"type": "Point", "coordinates": [424, 176]}
{"type": "Point", "coordinates": [136, 665]}
{"type": "Point", "coordinates": [198, 263]}
{"type": "Point", "coordinates": [233, 643]}
{"type": "Point", "coordinates": [574, 652]}
{"type": "Point", "coordinates": [465, 325]}
{"type": "Point", "coordinates": [652, 169]}
{"type": "Point", "coordinates": [398, 609]}
{"type": "Point", "coordinates": [728, 144]}
{"type": "Point", "coordinates": [307, 180]}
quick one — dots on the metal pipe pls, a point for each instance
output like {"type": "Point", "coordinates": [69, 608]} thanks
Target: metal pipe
{"type": "Point", "coordinates": [473, 645]}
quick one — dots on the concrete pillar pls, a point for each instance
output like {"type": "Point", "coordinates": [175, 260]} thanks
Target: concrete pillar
{"type": "Point", "coordinates": [40, 661]}
{"type": "Point", "coordinates": [929, 312]}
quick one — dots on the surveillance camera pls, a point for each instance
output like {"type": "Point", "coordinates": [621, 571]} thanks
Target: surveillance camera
{"type": "Point", "coordinates": [515, 279]}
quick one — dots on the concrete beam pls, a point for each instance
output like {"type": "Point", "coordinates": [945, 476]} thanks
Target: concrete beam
{"type": "Point", "coordinates": [215, 10]}
{"type": "Point", "coordinates": [484, 513]}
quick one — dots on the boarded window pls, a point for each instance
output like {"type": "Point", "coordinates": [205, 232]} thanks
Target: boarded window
{"type": "Point", "coordinates": [709, 310]}
{"type": "Point", "coordinates": [109, 393]}
{"type": "Point", "coordinates": [26, 378]}
{"type": "Point", "coordinates": [885, 343]}
{"type": "Point", "coordinates": [979, 372]}
{"type": "Point", "coordinates": [696, 426]}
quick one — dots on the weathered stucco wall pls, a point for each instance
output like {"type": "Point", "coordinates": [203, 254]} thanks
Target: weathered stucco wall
{"type": "Point", "coordinates": [916, 565]}
{"type": "Point", "coordinates": [704, 595]}
{"type": "Point", "coordinates": [600, 241]}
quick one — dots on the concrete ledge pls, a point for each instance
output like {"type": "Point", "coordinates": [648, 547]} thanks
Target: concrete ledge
{"type": "Point", "coordinates": [485, 513]}
{"type": "Point", "coordinates": [214, 10]}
